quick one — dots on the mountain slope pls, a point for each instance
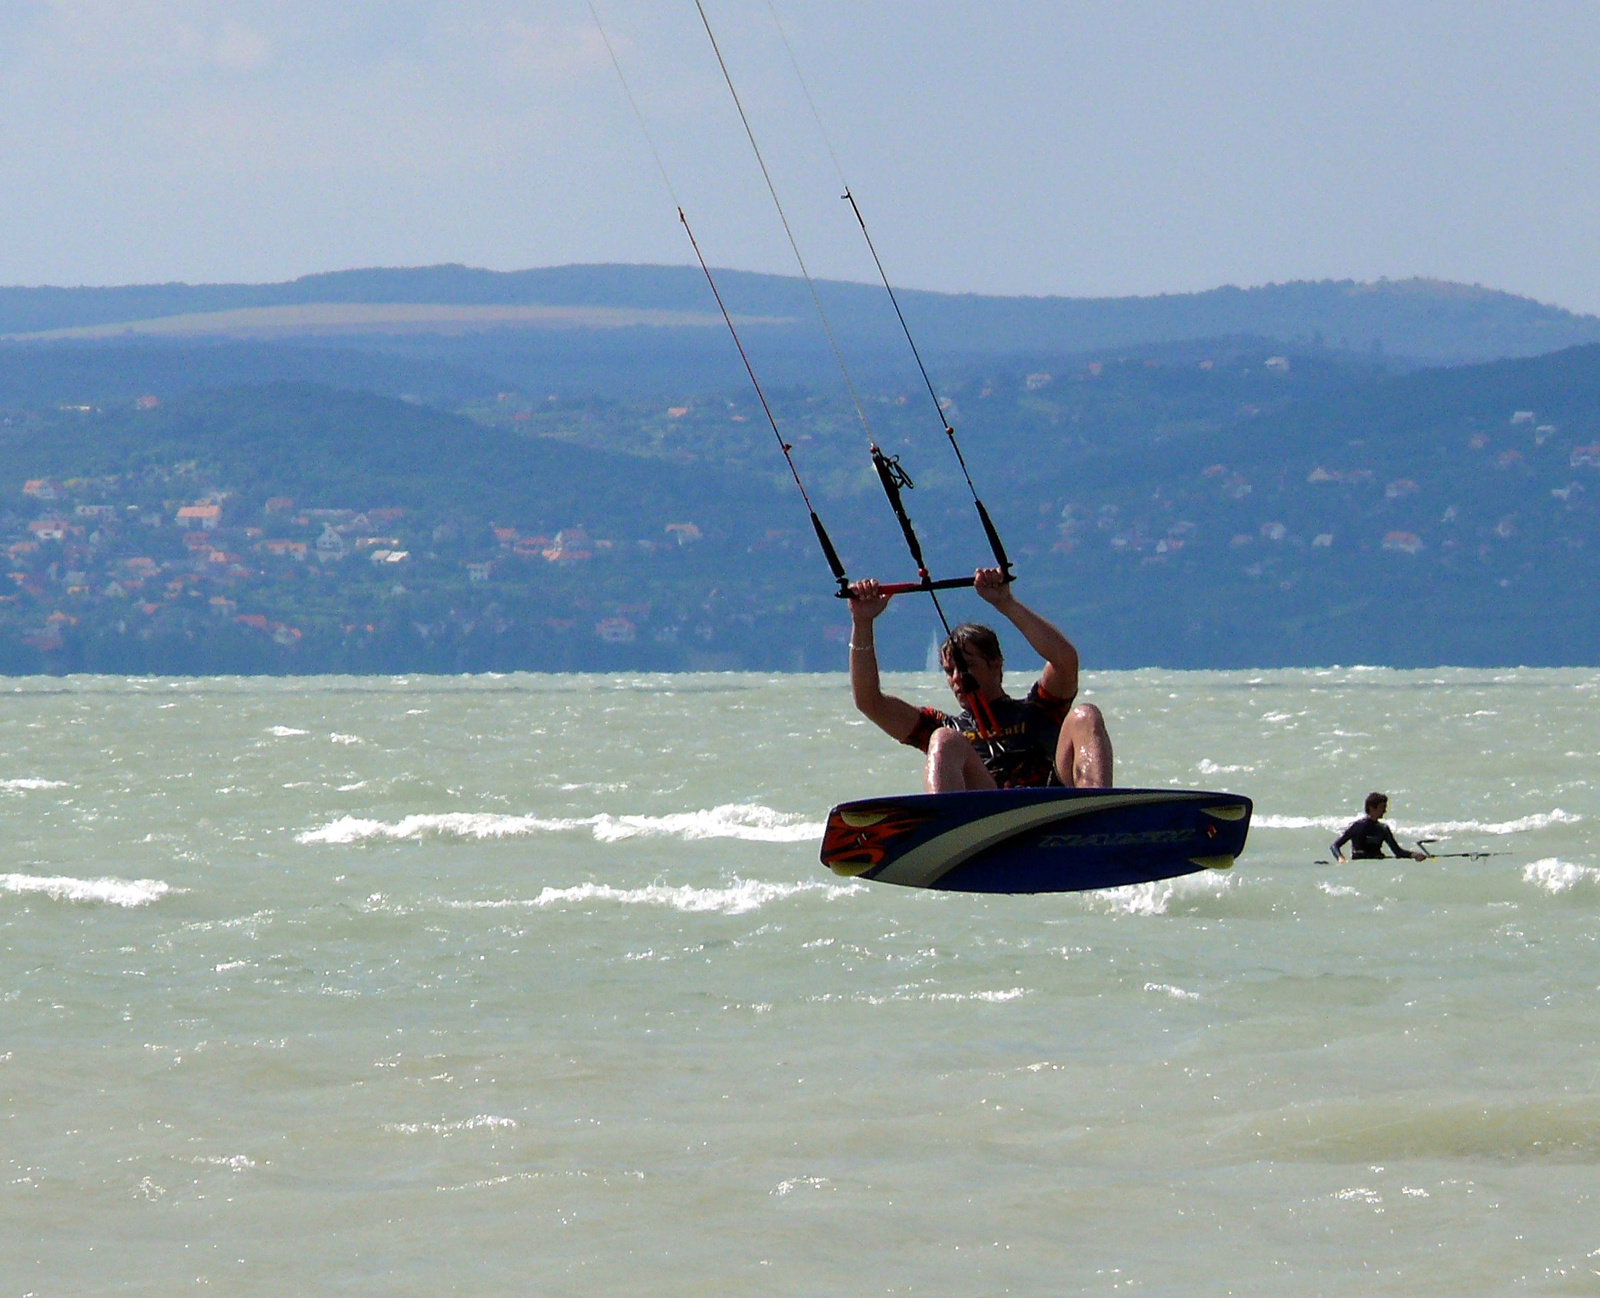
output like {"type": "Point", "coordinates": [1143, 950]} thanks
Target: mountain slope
{"type": "Point", "coordinates": [1424, 320]}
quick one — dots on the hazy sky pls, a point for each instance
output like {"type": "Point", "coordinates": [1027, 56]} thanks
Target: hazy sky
{"type": "Point", "coordinates": [996, 145]}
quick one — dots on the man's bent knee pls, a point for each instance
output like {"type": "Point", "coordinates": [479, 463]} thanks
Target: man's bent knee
{"type": "Point", "coordinates": [1089, 718]}
{"type": "Point", "coordinates": [1083, 757]}
{"type": "Point", "coordinates": [954, 764]}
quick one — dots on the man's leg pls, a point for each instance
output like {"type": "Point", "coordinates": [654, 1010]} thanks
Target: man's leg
{"type": "Point", "coordinates": [954, 764]}
{"type": "Point", "coordinates": [1083, 751]}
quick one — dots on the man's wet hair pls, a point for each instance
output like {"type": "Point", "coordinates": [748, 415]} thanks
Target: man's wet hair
{"type": "Point", "coordinates": [1376, 801]}
{"type": "Point", "coordinates": [973, 640]}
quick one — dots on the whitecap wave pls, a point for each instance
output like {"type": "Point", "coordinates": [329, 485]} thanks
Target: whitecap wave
{"type": "Point", "coordinates": [22, 786]}
{"type": "Point", "coordinates": [108, 892]}
{"type": "Point", "coordinates": [993, 998]}
{"type": "Point", "coordinates": [785, 1188]}
{"type": "Point", "coordinates": [1555, 875]}
{"type": "Point", "coordinates": [1176, 993]}
{"type": "Point", "coordinates": [479, 1122]}
{"type": "Point", "coordinates": [1154, 898]}
{"type": "Point", "coordinates": [284, 732]}
{"type": "Point", "coordinates": [1335, 824]}
{"type": "Point", "coordinates": [739, 897]}
{"type": "Point", "coordinates": [752, 823]}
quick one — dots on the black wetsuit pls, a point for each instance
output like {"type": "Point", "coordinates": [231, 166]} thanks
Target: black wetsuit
{"type": "Point", "coordinates": [1020, 748]}
{"type": "Point", "coordinates": [1367, 838]}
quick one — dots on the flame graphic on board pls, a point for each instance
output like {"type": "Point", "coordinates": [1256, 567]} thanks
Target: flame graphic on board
{"type": "Point", "coordinates": [857, 837]}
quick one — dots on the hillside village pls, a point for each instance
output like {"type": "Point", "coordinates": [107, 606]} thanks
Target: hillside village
{"type": "Point", "coordinates": [1187, 511]}
{"type": "Point", "coordinates": [106, 552]}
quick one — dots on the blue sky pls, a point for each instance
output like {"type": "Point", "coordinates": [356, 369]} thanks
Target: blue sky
{"type": "Point", "coordinates": [1080, 148]}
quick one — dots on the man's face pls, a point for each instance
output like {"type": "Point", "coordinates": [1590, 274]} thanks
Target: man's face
{"type": "Point", "coordinates": [984, 671]}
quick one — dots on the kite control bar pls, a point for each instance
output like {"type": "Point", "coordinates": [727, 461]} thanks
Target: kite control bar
{"type": "Point", "coordinates": [906, 587]}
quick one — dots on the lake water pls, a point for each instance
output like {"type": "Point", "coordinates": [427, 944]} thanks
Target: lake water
{"type": "Point", "coordinates": [533, 985]}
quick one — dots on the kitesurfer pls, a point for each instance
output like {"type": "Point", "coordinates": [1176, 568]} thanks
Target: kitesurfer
{"type": "Point", "coordinates": [1368, 835]}
{"type": "Point", "coordinates": [996, 741]}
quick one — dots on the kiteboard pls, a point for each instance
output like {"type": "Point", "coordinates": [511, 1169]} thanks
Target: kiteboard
{"type": "Point", "coordinates": [1035, 840]}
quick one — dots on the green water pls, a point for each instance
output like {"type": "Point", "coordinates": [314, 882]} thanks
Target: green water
{"type": "Point", "coordinates": [533, 985]}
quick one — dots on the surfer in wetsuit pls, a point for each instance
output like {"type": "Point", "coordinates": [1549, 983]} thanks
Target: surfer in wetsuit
{"type": "Point", "coordinates": [1368, 835]}
{"type": "Point", "coordinates": [995, 741]}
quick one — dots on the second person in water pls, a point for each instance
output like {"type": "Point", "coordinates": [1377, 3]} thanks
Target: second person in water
{"type": "Point", "coordinates": [1369, 835]}
{"type": "Point", "coordinates": [995, 741]}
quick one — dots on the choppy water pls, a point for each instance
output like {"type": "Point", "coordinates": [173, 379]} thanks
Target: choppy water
{"type": "Point", "coordinates": [534, 985]}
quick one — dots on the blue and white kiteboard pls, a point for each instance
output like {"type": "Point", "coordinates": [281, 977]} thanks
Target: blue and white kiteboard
{"type": "Point", "coordinates": [1035, 840]}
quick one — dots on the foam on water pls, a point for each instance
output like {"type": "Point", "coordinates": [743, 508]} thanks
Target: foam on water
{"type": "Point", "coordinates": [108, 892]}
{"type": "Point", "coordinates": [1555, 875]}
{"type": "Point", "coordinates": [1154, 898]}
{"type": "Point", "coordinates": [1335, 824]}
{"type": "Point", "coordinates": [992, 997]}
{"type": "Point", "coordinates": [1176, 993]}
{"type": "Point", "coordinates": [738, 898]}
{"type": "Point", "coordinates": [24, 785]}
{"type": "Point", "coordinates": [479, 1122]}
{"type": "Point", "coordinates": [752, 823]}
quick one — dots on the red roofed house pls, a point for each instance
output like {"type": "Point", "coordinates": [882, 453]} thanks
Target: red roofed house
{"type": "Point", "coordinates": [204, 516]}
{"type": "Point", "coordinates": [572, 543]}
{"type": "Point", "coordinates": [1406, 542]}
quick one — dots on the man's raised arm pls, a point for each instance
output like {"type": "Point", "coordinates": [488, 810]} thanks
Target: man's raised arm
{"type": "Point", "coordinates": [1060, 678]}
{"type": "Point", "coordinates": [895, 717]}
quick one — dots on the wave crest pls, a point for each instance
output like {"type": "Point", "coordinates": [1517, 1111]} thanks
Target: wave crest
{"type": "Point", "coordinates": [736, 898]}
{"type": "Point", "coordinates": [1555, 875]}
{"type": "Point", "coordinates": [108, 892]}
{"type": "Point", "coordinates": [751, 822]}
{"type": "Point", "coordinates": [1335, 824]}
{"type": "Point", "coordinates": [1153, 898]}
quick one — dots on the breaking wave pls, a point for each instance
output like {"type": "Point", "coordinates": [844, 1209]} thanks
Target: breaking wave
{"type": "Point", "coordinates": [1555, 875]}
{"type": "Point", "coordinates": [22, 786]}
{"type": "Point", "coordinates": [753, 823]}
{"type": "Point", "coordinates": [107, 892]}
{"type": "Point", "coordinates": [1154, 898]}
{"type": "Point", "coordinates": [737, 898]}
{"type": "Point", "coordinates": [1539, 820]}
{"type": "Point", "coordinates": [993, 998]}
{"type": "Point", "coordinates": [480, 1122]}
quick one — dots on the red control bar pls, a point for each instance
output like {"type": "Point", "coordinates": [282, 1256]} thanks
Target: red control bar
{"type": "Point", "coordinates": [907, 587]}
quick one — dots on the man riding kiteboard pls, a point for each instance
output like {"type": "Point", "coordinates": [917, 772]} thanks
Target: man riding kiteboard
{"type": "Point", "coordinates": [996, 741]}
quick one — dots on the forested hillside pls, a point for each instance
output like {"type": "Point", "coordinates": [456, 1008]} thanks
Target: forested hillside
{"type": "Point", "coordinates": [1221, 504]}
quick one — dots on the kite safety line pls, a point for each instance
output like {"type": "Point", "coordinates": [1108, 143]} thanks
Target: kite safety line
{"type": "Point", "coordinates": [989, 529]}
{"type": "Point", "coordinates": [794, 244]}
{"type": "Point", "coordinates": [830, 554]}
{"type": "Point", "coordinates": [891, 475]}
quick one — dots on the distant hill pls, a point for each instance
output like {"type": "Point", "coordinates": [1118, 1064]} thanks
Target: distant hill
{"type": "Point", "coordinates": [1417, 320]}
{"type": "Point", "coordinates": [1217, 505]}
